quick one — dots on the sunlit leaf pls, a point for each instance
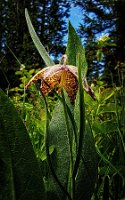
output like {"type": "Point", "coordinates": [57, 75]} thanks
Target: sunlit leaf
{"type": "Point", "coordinates": [74, 47]}
{"type": "Point", "coordinates": [41, 49]}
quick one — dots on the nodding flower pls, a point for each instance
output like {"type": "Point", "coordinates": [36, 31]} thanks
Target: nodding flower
{"type": "Point", "coordinates": [60, 76]}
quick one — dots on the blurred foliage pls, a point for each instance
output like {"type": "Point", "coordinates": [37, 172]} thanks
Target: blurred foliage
{"type": "Point", "coordinates": [106, 116]}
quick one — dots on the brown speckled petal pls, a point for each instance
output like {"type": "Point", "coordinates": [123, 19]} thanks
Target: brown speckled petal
{"type": "Point", "coordinates": [58, 77]}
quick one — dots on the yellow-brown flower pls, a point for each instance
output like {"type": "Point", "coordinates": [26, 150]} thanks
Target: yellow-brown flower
{"type": "Point", "coordinates": [60, 76]}
{"type": "Point", "coordinates": [57, 77]}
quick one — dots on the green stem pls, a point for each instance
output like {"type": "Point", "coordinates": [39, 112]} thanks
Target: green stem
{"type": "Point", "coordinates": [82, 121]}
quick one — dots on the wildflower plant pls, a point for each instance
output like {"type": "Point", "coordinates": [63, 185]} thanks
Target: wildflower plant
{"type": "Point", "coordinates": [73, 164]}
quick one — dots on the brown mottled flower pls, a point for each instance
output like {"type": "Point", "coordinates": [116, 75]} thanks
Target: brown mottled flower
{"type": "Point", "coordinates": [60, 76]}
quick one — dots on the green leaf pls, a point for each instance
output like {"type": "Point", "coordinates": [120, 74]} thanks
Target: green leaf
{"type": "Point", "coordinates": [58, 136]}
{"type": "Point", "coordinates": [111, 44]}
{"type": "Point", "coordinates": [42, 51]}
{"type": "Point", "coordinates": [107, 108]}
{"type": "Point", "coordinates": [74, 47]}
{"type": "Point", "coordinates": [87, 172]}
{"type": "Point", "coordinates": [99, 55]}
{"type": "Point", "coordinates": [20, 173]}
{"type": "Point", "coordinates": [106, 94]}
{"type": "Point", "coordinates": [105, 127]}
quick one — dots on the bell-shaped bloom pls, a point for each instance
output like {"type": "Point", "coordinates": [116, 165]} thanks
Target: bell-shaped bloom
{"type": "Point", "coordinates": [58, 77]}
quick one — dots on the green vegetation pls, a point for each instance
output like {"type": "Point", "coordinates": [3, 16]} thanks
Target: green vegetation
{"type": "Point", "coordinates": [52, 149]}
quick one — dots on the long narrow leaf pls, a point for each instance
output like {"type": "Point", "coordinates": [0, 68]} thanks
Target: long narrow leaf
{"type": "Point", "coordinates": [74, 47]}
{"type": "Point", "coordinates": [48, 61]}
